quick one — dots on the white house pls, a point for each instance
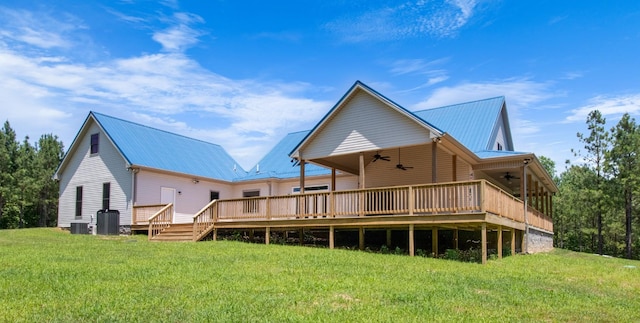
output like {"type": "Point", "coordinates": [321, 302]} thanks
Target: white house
{"type": "Point", "coordinates": [366, 141]}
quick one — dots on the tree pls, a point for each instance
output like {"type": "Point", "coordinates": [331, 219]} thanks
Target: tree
{"type": "Point", "coordinates": [8, 167]}
{"type": "Point", "coordinates": [24, 196]}
{"type": "Point", "coordinates": [550, 166]}
{"type": "Point", "coordinates": [572, 224]}
{"type": "Point", "coordinates": [623, 162]}
{"type": "Point", "coordinates": [596, 145]}
{"type": "Point", "coordinates": [50, 152]}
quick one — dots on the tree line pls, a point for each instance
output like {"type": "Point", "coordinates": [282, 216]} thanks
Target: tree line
{"type": "Point", "coordinates": [595, 207]}
{"type": "Point", "coordinates": [28, 193]}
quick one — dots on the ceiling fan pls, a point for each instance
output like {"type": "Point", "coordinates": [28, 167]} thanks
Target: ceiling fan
{"type": "Point", "coordinates": [377, 156]}
{"type": "Point", "coordinates": [399, 165]}
{"type": "Point", "coordinates": [509, 177]}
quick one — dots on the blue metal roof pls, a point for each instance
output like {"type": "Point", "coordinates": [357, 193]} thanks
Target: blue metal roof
{"type": "Point", "coordinates": [498, 153]}
{"type": "Point", "coordinates": [470, 123]}
{"type": "Point", "coordinates": [277, 163]}
{"type": "Point", "coordinates": [148, 147]}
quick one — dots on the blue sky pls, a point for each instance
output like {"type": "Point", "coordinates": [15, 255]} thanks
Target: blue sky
{"type": "Point", "coordinates": [242, 74]}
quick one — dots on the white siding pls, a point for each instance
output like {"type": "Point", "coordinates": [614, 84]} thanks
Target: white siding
{"type": "Point", "coordinates": [500, 136]}
{"type": "Point", "coordinates": [364, 123]}
{"type": "Point", "coordinates": [464, 171]}
{"type": "Point", "coordinates": [190, 196]}
{"type": "Point", "coordinates": [90, 172]}
{"type": "Point", "coordinates": [343, 182]}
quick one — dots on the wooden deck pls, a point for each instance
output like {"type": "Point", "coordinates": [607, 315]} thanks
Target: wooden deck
{"type": "Point", "coordinates": [476, 205]}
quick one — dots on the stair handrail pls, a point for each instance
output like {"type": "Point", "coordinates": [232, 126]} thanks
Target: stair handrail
{"type": "Point", "coordinates": [204, 220]}
{"type": "Point", "coordinates": [160, 221]}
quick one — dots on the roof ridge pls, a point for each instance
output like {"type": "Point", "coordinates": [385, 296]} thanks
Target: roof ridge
{"type": "Point", "coordinates": [152, 128]}
{"type": "Point", "coordinates": [455, 104]}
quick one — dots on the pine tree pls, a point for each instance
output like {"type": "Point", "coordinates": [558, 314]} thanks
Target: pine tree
{"type": "Point", "coordinates": [623, 162]}
{"type": "Point", "coordinates": [596, 145]}
{"type": "Point", "coordinates": [49, 156]}
{"type": "Point", "coordinates": [8, 166]}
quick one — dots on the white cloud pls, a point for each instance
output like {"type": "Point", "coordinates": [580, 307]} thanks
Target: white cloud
{"type": "Point", "coordinates": [608, 106]}
{"type": "Point", "coordinates": [41, 90]}
{"type": "Point", "coordinates": [519, 93]}
{"type": "Point", "coordinates": [37, 30]}
{"type": "Point", "coordinates": [180, 35]}
{"type": "Point", "coordinates": [409, 19]}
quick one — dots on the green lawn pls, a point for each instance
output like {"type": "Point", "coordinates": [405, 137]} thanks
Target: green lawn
{"type": "Point", "coordinates": [50, 275]}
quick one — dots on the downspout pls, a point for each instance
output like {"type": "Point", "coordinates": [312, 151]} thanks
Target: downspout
{"type": "Point", "coordinates": [526, 216]}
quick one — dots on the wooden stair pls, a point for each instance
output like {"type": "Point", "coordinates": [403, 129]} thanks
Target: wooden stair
{"type": "Point", "coordinates": [176, 232]}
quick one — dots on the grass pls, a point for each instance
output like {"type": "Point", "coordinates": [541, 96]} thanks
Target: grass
{"type": "Point", "coordinates": [50, 275]}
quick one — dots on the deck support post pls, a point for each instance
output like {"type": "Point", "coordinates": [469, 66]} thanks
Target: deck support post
{"type": "Point", "coordinates": [331, 237]}
{"type": "Point", "coordinates": [434, 242]}
{"type": "Point", "coordinates": [483, 240]}
{"type": "Point", "coordinates": [455, 238]}
{"type": "Point", "coordinates": [215, 234]}
{"type": "Point", "coordinates": [251, 235]}
{"type": "Point", "coordinates": [301, 236]}
{"type": "Point", "coordinates": [499, 242]}
{"type": "Point", "coordinates": [389, 238]}
{"type": "Point", "coordinates": [412, 242]}
{"type": "Point", "coordinates": [267, 235]}
{"type": "Point", "coordinates": [513, 241]}
{"type": "Point", "coordinates": [361, 238]}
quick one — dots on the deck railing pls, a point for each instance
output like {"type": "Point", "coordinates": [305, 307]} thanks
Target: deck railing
{"type": "Point", "coordinates": [142, 213]}
{"type": "Point", "coordinates": [161, 220]}
{"type": "Point", "coordinates": [203, 221]}
{"type": "Point", "coordinates": [441, 198]}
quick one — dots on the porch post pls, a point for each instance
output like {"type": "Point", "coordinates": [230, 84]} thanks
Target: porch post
{"type": "Point", "coordinates": [483, 240]}
{"type": "Point", "coordinates": [361, 185]}
{"type": "Point", "coordinates": [454, 168]}
{"type": "Point", "coordinates": [434, 162]}
{"type": "Point", "coordinates": [434, 241]}
{"type": "Point", "coordinates": [361, 238]}
{"type": "Point", "coordinates": [412, 242]}
{"type": "Point", "coordinates": [529, 189]}
{"type": "Point", "coordinates": [302, 176]}
{"type": "Point", "coordinates": [333, 179]}
{"type": "Point", "coordinates": [499, 242]}
{"type": "Point", "coordinates": [331, 237]}
{"type": "Point", "coordinates": [267, 235]}
{"type": "Point", "coordinates": [215, 234]}
{"type": "Point", "coordinates": [361, 169]}
{"type": "Point", "coordinates": [537, 192]}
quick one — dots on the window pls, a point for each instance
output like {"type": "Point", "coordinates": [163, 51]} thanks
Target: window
{"type": "Point", "coordinates": [95, 141]}
{"type": "Point", "coordinates": [78, 201]}
{"type": "Point", "coordinates": [106, 193]}
{"type": "Point", "coordinates": [312, 188]}
{"type": "Point", "coordinates": [213, 195]}
{"type": "Point", "coordinates": [499, 146]}
{"type": "Point", "coordinates": [251, 205]}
